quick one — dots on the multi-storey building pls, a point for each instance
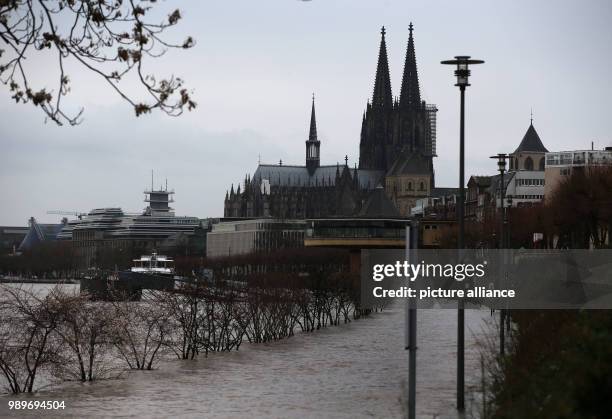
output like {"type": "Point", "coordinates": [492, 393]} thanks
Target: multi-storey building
{"type": "Point", "coordinates": [106, 231]}
{"type": "Point", "coordinates": [239, 237]}
{"type": "Point", "coordinates": [562, 164]}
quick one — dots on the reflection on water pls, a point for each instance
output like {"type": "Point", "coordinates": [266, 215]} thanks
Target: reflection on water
{"type": "Point", "coordinates": [354, 370]}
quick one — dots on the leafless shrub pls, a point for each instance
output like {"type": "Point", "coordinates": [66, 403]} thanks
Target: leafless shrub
{"type": "Point", "coordinates": [182, 308]}
{"type": "Point", "coordinates": [85, 331]}
{"type": "Point", "coordinates": [140, 333]}
{"type": "Point", "coordinates": [26, 336]}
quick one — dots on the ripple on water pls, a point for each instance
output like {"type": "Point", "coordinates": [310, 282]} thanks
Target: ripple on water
{"type": "Point", "coordinates": [350, 371]}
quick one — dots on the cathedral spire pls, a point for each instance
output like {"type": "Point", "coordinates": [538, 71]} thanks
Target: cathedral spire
{"type": "Point", "coordinates": [313, 123]}
{"type": "Point", "coordinates": [382, 84]}
{"type": "Point", "coordinates": [313, 145]}
{"type": "Point", "coordinates": [410, 95]}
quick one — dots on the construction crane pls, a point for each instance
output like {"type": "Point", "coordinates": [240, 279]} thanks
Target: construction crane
{"type": "Point", "coordinates": [77, 214]}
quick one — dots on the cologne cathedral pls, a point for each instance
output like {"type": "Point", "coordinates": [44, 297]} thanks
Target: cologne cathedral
{"type": "Point", "coordinates": [396, 150]}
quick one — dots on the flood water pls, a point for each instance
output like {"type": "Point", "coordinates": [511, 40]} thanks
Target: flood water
{"type": "Point", "coordinates": [350, 371]}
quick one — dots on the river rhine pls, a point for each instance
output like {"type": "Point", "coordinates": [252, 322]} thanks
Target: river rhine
{"type": "Point", "coordinates": [351, 371]}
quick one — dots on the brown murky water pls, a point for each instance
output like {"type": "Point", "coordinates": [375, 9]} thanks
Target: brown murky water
{"type": "Point", "coordinates": [350, 371]}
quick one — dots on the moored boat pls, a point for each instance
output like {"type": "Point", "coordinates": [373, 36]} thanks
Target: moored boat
{"type": "Point", "coordinates": [150, 272]}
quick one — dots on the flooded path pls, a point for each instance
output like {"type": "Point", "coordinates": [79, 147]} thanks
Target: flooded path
{"type": "Point", "coordinates": [351, 371]}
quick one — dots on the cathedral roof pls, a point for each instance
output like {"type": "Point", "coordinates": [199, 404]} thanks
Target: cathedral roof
{"type": "Point", "coordinates": [410, 164]}
{"type": "Point", "coordinates": [284, 175]}
{"type": "Point", "coordinates": [531, 142]}
{"type": "Point", "coordinates": [378, 205]}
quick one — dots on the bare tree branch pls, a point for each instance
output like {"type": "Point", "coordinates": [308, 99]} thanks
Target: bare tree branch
{"type": "Point", "coordinates": [110, 38]}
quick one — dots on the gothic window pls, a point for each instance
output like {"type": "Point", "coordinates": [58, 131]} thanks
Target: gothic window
{"type": "Point", "coordinates": [528, 163]}
{"type": "Point", "coordinates": [409, 186]}
{"type": "Point", "coordinates": [422, 186]}
{"type": "Point", "coordinates": [542, 164]}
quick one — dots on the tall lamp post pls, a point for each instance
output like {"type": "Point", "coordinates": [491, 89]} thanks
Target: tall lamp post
{"type": "Point", "coordinates": [503, 240]}
{"type": "Point", "coordinates": [462, 72]}
{"type": "Point", "coordinates": [501, 167]}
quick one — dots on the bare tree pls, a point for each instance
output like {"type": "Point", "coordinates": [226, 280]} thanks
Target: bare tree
{"type": "Point", "coordinates": [182, 308]}
{"type": "Point", "coordinates": [85, 333]}
{"type": "Point", "coordinates": [109, 38]}
{"type": "Point", "coordinates": [26, 340]}
{"type": "Point", "coordinates": [141, 332]}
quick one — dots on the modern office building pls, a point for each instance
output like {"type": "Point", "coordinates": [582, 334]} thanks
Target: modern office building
{"type": "Point", "coordinates": [562, 164]}
{"type": "Point", "coordinates": [232, 237]}
{"type": "Point", "coordinates": [111, 230]}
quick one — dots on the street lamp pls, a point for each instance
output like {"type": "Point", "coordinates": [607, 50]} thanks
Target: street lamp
{"type": "Point", "coordinates": [503, 240]}
{"type": "Point", "coordinates": [501, 167]}
{"type": "Point", "coordinates": [462, 62]}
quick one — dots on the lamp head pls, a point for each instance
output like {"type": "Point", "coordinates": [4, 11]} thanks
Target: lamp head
{"type": "Point", "coordinates": [462, 71]}
{"type": "Point", "coordinates": [501, 161]}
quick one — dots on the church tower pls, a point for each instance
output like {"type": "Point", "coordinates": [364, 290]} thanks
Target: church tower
{"type": "Point", "coordinates": [412, 118]}
{"type": "Point", "coordinates": [376, 130]}
{"type": "Point", "coordinates": [313, 145]}
{"type": "Point", "coordinates": [391, 128]}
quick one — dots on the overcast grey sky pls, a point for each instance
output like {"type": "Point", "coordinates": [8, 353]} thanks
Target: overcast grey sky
{"type": "Point", "coordinates": [254, 68]}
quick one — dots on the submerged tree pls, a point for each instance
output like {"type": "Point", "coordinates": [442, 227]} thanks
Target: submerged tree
{"type": "Point", "coordinates": [27, 325]}
{"type": "Point", "coordinates": [109, 38]}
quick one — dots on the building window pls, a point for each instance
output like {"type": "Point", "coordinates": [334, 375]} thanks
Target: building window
{"type": "Point", "coordinates": [528, 163]}
{"type": "Point", "coordinates": [409, 186]}
{"type": "Point", "coordinates": [422, 186]}
{"type": "Point", "coordinates": [542, 164]}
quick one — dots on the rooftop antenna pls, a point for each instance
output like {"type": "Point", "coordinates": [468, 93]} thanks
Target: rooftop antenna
{"type": "Point", "coordinates": [531, 116]}
{"type": "Point", "coordinates": [259, 159]}
{"type": "Point", "coordinates": [151, 179]}
{"type": "Point", "coordinates": [166, 184]}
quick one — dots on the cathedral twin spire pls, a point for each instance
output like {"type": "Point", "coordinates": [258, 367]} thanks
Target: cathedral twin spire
{"type": "Point", "coordinates": [382, 85]}
{"type": "Point", "coordinates": [410, 95]}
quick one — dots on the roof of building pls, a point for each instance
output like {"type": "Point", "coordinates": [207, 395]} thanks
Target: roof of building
{"type": "Point", "coordinates": [409, 163]}
{"type": "Point", "coordinates": [441, 192]}
{"type": "Point", "coordinates": [378, 205]}
{"type": "Point", "coordinates": [531, 142]}
{"type": "Point", "coordinates": [495, 180]}
{"type": "Point", "coordinates": [39, 233]}
{"type": "Point", "coordinates": [483, 181]}
{"type": "Point", "coordinates": [284, 175]}
{"type": "Point", "coordinates": [13, 229]}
